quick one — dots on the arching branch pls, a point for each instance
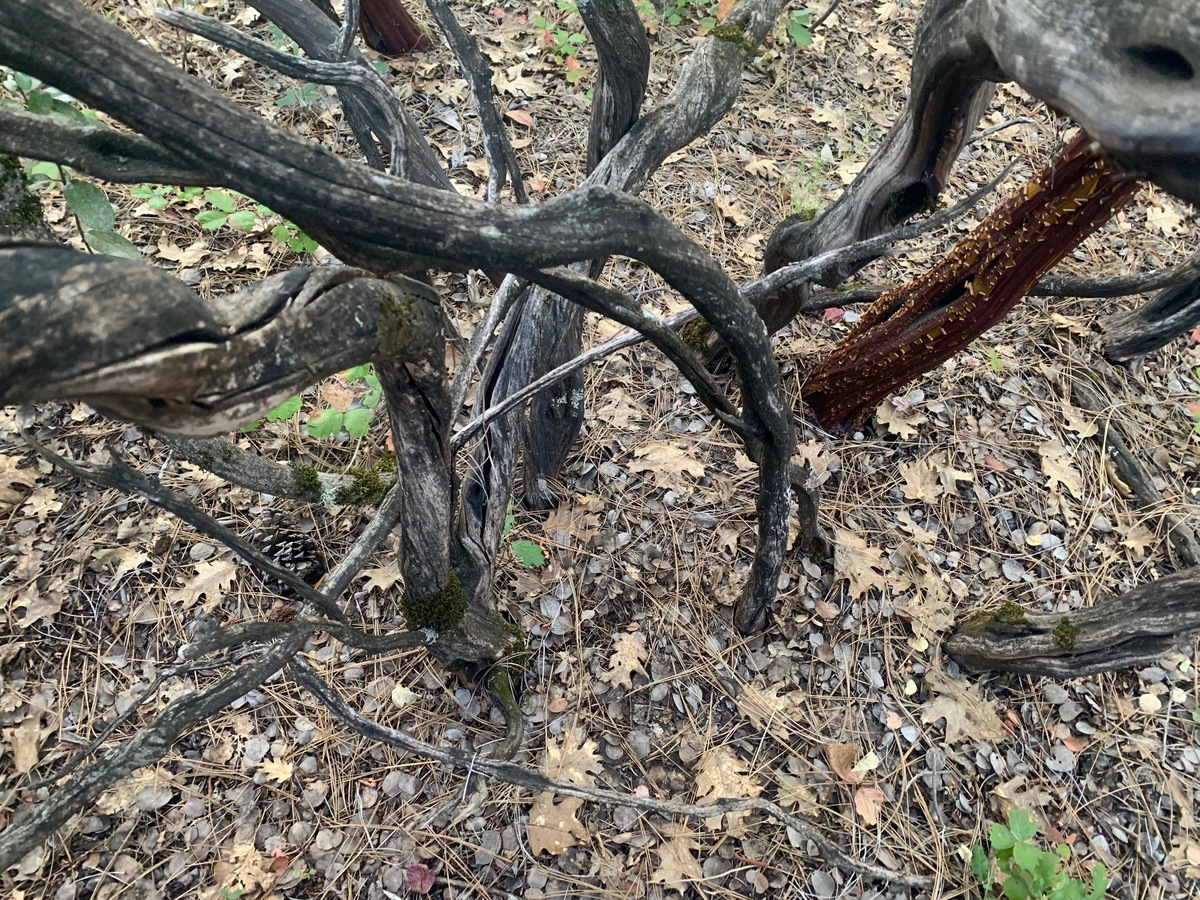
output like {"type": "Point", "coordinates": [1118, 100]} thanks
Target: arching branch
{"type": "Point", "coordinates": [133, 341]}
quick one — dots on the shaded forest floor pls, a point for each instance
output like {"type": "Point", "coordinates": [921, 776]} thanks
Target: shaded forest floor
{"type": "Point", "coordinates": [983, 483]}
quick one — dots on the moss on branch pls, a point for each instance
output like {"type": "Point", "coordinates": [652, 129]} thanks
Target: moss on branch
{"type": "Point", "coordinates": [440, 611]}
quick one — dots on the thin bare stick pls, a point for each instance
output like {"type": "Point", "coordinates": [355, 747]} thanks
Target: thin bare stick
{"type": "Point", "coordinates": [118, 474]}
{"type": "Point", "coordinates": [146, 747]}
{"type": "Point", "coordinates": [350, 74]}
{"type": "Point", "coordinates": [1008, 123]}
{"type": "Point", "coordinates": [136, 703]}
{"type": "Point", "coordinates": [1119, 285]}
{"type": "Point", "coordinates": [235, 464]}
{"type": "Point", "coordinates": [349, 28]}
{"type": "Point", "coordinates": [502, 301]}
{"type": "Point", "coordinates": [825, 15]}
{"type": "Point", "coordinates": [811, 269]}
{"type": "Point", "coordinates": [497, 148]}
{"type": "Point", "coordinates": [211, 636]}
{"type": "Point", "coordinates": [151, 742]}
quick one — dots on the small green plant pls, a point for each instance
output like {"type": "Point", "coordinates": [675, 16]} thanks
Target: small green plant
{"type": "Point", "coordinates": [284, 410]}
{"type": "Point", "coordinates": [807, 185]}
{"type": "Point", "coordinates": [280, 41]}
{"type": "Point", "coordinates": [703, 13]}
{"type": "Point", "coordinates": [304, 95]}
{"type": "Point", "coordinates": [163, 196]}
{"type": "Point", "coordinates": [217, 208]}
{"type": "Point", "coordinates": [995, 360]}
{"type": "Point", "coordinates": [1026, 872]}
{"type": "Point", "coordinates": [88, 203]}
{"type": "Point", "coordinates": [223, 212]}
{"type": "Point", "coordinates": [646, 10]}
{"type": "Point", "coordinates": [564, 37]}
{"type": "Point", "coordinates": [44, 100]}
{"type": "Point", "coordinates": [530, 554]}
{"type": "Point", "coordinates": [91, 208]}
{"type": "Point", "coordinates": [293, 238]}
{"type": "Point", "coordinates": [325, 422]}
{"type": "Point", "coordinates": [799, 26]}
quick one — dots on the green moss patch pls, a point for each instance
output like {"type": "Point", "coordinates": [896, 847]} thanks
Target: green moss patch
{"type": "Point", "coordinates": [732, 34]}
{"type": "Point", "coordinates": [1065, 633]}
{"type": "Point", "coordinates": [440, 611]}
{"type": "Point", "coordinates": [1010, 613]}
{"type": "Point", "coordinates": [308, 481]}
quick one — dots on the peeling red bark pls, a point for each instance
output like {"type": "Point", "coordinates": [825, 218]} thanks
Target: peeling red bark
{"type": "Point", "coordinates": [915, 327]}
{"type": "Point", "coordinates": [389, 28]}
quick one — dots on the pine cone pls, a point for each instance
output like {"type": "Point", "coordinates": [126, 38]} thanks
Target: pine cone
{"type": "Point", "coordinates": [290, 549]}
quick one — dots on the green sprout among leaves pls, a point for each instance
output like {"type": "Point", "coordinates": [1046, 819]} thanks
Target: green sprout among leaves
{"type": "Point", "coordinates": [1026, 872]}
{"type": "Point", "coordinates": [530, 554]}
{"type": "Point", "coordinates": [89, 205]}
{"type": "Point", "coordinates": [676, 12]}
{"type": "Point", "coordinates": [564, 37]}
{"type": "Point", "coordinates": [799, 26]}
{"type": "Point", "coordinates": [223, 212]}
{"type": "Point", "coordinates": [325, 423]}
{"type": "Point", "coordinates": [304, 95]}
{"type": "Point", "coordinates": [219, 209]}
{"type": "Point", "coordinates": [807, 186]}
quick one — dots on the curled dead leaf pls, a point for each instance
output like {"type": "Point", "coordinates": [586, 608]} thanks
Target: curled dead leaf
{"type": "Point", "coordinates": [841, 758]}
{"type": "Point", "coordinates": [867, 803]}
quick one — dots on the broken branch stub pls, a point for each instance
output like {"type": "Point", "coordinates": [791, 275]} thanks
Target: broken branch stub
{"type": "Point", "coordinates": [136, 343]}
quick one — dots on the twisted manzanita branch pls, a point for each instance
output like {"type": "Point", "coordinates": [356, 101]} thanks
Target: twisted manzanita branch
{"type": "Point", "coordinates": [497, 148]}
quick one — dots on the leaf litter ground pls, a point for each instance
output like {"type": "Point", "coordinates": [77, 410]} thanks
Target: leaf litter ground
{"type": "Point", "coordinates": [981, 484]}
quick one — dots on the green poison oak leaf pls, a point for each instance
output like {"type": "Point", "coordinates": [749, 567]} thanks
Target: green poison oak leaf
{"type": "Point", "coordinates": [221, 200]}
{"type": "Point", "coordinates": [529, 553]}
{"type": "Point", "coordinates": [242, 221]}
{"type": "Point", "coordinates": [212, 219]}
{"type": "Point", "coordinates": [325, 423]}
{"type": "Point", "coordinates": [111, 244]}
{"type": "Point", "coordinates": [90, 205]}
{"type": "Point", "coordinates": [285, 410]}
{"type": "Point", "coordinates": [357, 421]}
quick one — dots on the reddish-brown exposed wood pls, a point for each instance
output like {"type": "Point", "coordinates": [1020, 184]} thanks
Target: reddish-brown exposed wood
{"type": "Point", "coordinates": [389, 28]}
{"type": "Point", "coordinates": [919, 325]}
